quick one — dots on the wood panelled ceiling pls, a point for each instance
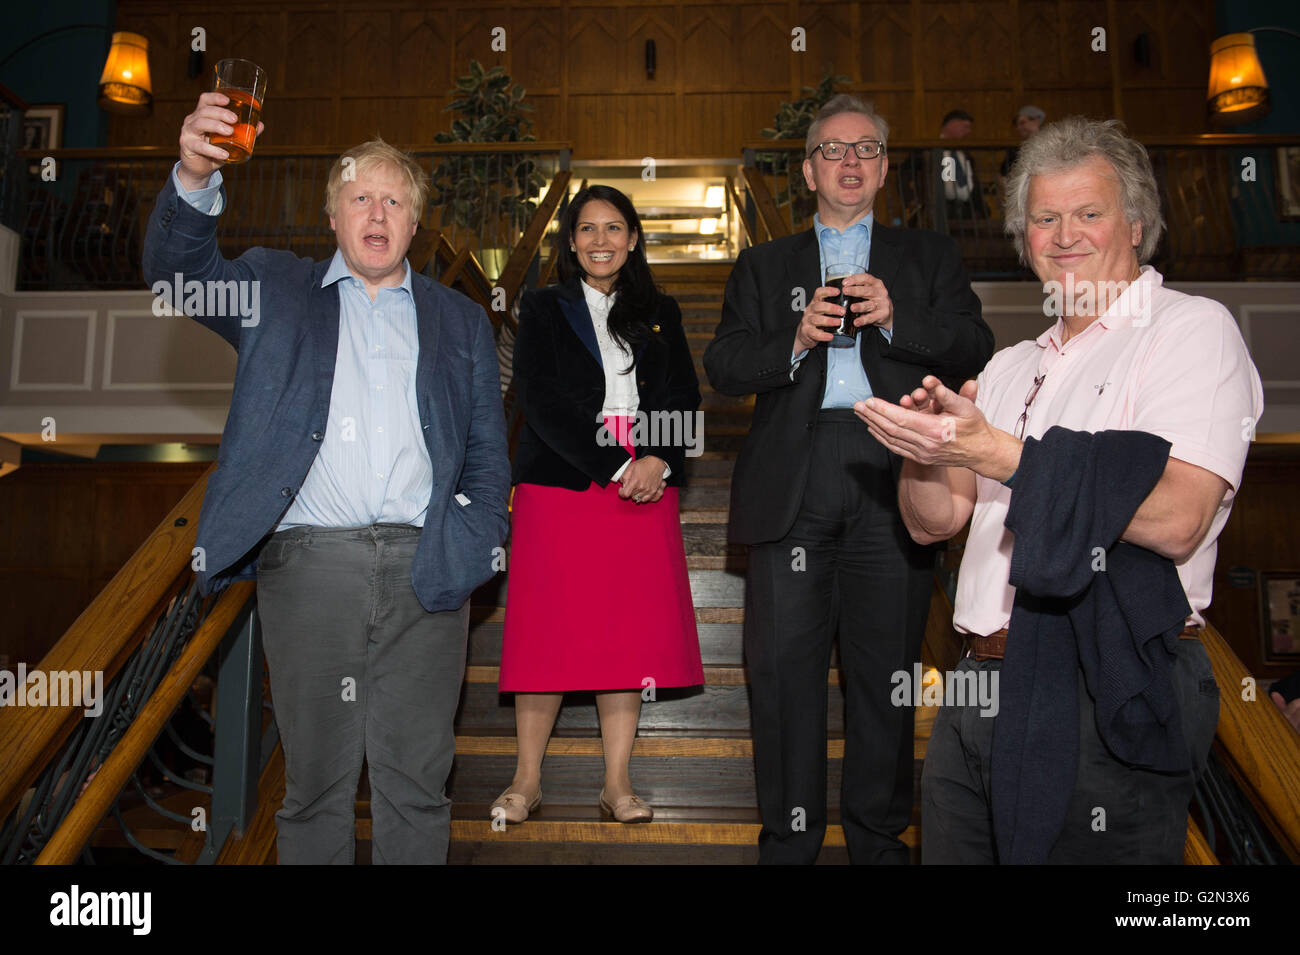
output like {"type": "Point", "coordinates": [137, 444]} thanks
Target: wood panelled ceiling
{"type": "Point", "coordinates": [341, 72]}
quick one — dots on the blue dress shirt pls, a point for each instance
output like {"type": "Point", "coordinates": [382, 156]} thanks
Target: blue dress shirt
{"type": "Point", "coordinates": [846, 378]}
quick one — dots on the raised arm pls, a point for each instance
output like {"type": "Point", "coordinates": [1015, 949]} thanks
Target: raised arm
{"type": "Point", "coordinates": [181, 239]}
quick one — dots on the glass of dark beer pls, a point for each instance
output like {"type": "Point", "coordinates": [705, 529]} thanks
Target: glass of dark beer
{"type": "Point", "coordinates": [844, 331]}
{"type": "Point", "coordinates": [245, 83]}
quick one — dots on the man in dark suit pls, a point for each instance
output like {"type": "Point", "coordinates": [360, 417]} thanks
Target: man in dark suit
{"type": "Point", "coordinates": [362, 479]}
{"type": "Point", "coordinates": [813, 494]}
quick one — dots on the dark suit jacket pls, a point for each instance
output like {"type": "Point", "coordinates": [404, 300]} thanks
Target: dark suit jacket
{"type": "Point", "coordinates": [937, 330]}
{"type": "Point", "coordinates": [560, 383]}
{"type": "Point", "coordinates": [280, 406]}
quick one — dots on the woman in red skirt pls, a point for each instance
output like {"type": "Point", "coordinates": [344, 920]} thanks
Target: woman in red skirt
{"type": "Point", "coordinates": [599, 598]}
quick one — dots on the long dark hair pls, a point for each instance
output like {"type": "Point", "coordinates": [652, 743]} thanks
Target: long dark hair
{"type": "Point", "coordinates": [638, 296]}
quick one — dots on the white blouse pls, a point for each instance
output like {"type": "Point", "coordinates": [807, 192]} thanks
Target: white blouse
{"type": "Point", "coordinates": [620, 389]}
{"type": "Point", "coordinates": [621, 396]}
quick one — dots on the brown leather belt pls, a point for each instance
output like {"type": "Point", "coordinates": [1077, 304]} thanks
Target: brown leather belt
{"type": "Point", "coordinates": [993, 647]}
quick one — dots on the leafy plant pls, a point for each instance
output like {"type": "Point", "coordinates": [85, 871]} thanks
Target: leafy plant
{"type": "Point", "coordinates": [791, 122]}
{"type": "Point", "coordinates": [479, 192]}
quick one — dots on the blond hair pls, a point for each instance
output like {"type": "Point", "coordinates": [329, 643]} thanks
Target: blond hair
{"type": "Point", "coordinates": [367, 156]}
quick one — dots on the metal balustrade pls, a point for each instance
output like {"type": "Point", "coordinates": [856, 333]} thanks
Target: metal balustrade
{"type": "Point", "coordinates": [85, 228]}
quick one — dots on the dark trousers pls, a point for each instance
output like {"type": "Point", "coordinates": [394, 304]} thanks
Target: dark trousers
{"type": "Point", "coordinates": [847, 568]}
{"type": "Point", "coordinates": [1117, 814]}
{"type": "Point", "coordinates": [359, 670]}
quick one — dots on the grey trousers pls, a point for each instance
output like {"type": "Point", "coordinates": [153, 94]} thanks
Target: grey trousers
{"type": "Point", "coordinates": [1144, 818]}
{"type": "Point", "coordinates": [359, 669]}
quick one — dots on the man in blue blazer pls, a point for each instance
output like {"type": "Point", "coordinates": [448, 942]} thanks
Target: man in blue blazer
{"type": "Point", "coordinates": [362, 479]}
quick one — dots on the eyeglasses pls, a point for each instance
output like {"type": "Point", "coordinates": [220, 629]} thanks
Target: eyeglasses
{"type": "Point", "coordinates": [834, 151]}
{"type": "Point", "coordinates": [1029, 400]}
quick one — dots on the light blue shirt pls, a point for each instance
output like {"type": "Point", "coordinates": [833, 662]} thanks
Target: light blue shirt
{"type": "Point", "coordinates": [373, 466]}
{"type": "Point", "coordinates": [846, 378]}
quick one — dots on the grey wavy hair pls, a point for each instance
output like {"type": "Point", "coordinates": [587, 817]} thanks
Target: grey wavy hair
{"type": "Point", "coordinates": [843, 103]}
{"type": "Point", "coordinates": [1074, 140]}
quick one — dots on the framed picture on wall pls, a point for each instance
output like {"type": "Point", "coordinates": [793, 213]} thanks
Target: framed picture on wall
{"type": "Point", "coordinates": [1280, 617]}
{"type": "Point", "coordinates": [1288, 183]}
{"type": "Point", "coordinates": [42, 129]}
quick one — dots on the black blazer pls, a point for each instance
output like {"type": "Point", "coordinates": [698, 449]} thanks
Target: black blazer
{"type": "Point", "coordinates": [560, 385]}
{"type": "Point", "coordinates": [937, 330]}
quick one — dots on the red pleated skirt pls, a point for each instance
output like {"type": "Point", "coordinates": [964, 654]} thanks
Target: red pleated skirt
{"type": "Point", "coordinates": [598, 596]}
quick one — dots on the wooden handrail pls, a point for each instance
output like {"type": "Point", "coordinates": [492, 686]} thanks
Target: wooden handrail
{"type": "Point", "coordinates": [1196, 851]}
{"type": "Point", "coordinates": [102, 638]}
{"type": "Point", "coordinates": [1262, 747]}
{"type": "Point", "coordinates": [512, 276]}
{"type": "Point", "coordinates": [767, 211]}
{"type": "Point", "coordinates": [750, 231]}
{"type": "Point", "coordinates": [68, 840]}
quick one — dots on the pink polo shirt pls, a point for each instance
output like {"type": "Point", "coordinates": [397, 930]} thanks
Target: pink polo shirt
{"type": "Point", "coordinates": [1158, 361]}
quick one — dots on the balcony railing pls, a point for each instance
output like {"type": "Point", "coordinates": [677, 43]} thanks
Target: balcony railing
{"type": "Point", "coordinates": [85, 228]}
{"type": "Point", "coordinates": [1219, 195]}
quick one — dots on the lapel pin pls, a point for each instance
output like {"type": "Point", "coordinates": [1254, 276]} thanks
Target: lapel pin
{"type": "Point", "coordinates": [655, 329]}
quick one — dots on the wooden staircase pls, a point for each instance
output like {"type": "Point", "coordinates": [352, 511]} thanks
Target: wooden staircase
{"type": "Point", "coordinates": [693, 759]}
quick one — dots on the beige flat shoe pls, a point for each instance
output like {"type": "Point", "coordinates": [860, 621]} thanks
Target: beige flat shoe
{"type": "Point", "coordinates": [628, 809]}
{"type": "Point", "coordinates": [515, 807]}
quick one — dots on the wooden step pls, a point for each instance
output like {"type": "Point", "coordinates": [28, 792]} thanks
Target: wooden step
{"type": "Point", "coordinates": [708, 710]}
{"type": "Point", "coordinates": [726, 675]}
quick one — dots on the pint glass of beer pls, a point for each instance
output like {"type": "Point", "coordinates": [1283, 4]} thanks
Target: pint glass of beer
{"type": "Point", "coordinates": [844, 331]}
{"type": "Point", "coordinates": [245, 83]}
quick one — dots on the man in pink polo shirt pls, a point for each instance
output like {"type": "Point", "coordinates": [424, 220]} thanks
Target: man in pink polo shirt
{"type": "Point", "coordinates": [1125, 353]}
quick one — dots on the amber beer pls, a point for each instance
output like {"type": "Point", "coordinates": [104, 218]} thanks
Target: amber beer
{"type": "Point", "coordinates": [240, 143]}
{"type": "Point", "coordinates": [244, 82]}
{"type": "Point", "coordinates": [844, 332]}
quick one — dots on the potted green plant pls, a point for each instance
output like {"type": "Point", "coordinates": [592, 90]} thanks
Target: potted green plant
{"type": "Point", "coordinates": [490, 195]}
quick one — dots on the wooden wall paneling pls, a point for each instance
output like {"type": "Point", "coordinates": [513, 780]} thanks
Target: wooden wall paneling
{"type": "Point", "coordinates": [1186, 32]}
{"type": "Point", "coordinates": [537, 51]}
{"type": "Point", "coordinates": [884, 48]}
{"type": "Point", "coordinates": [658, 23]}
{"type": "Point", "coordinates": [596, 50]}
{"type": "Point", "coordinates": [473, 37]}
{"type": "Point", "coordinates": [549, 122]}
{"type": "Point", "coordinates": [710, 44]}
{"type": "Point", "coordinates": [368, 41]}
{"type": "Point", "coordinates": [318, 66]}
{"type": "Point", "coordinates": [1139, 18]}
{"type": "Point", "coordinates": [896, 108]}
{"type": "Point", "coordinates": [1057, 103]}
{"type": "Point", "coordinates": [947, 48]}
{"type": "Point", "coordinates": [303, 122]}
{"type": "Point", "coordinates": [1164, 111]}
{"type": "Point", "coordinates": [1112, 35]}
{"type": "Point", "coordinates": [393, 118]}
{"type": "Point", "coordinates": [65, 529]}
{"type": "Point", "coordinates": [831, 43]}
{"type": "Point", "coordinates": [988, 55]}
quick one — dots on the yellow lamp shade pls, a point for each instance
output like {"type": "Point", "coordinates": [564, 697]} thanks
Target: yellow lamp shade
{"type": "Point", "coordinates": [1238, 90]}
{"type": "Point", "coordinates": [125, 86]}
